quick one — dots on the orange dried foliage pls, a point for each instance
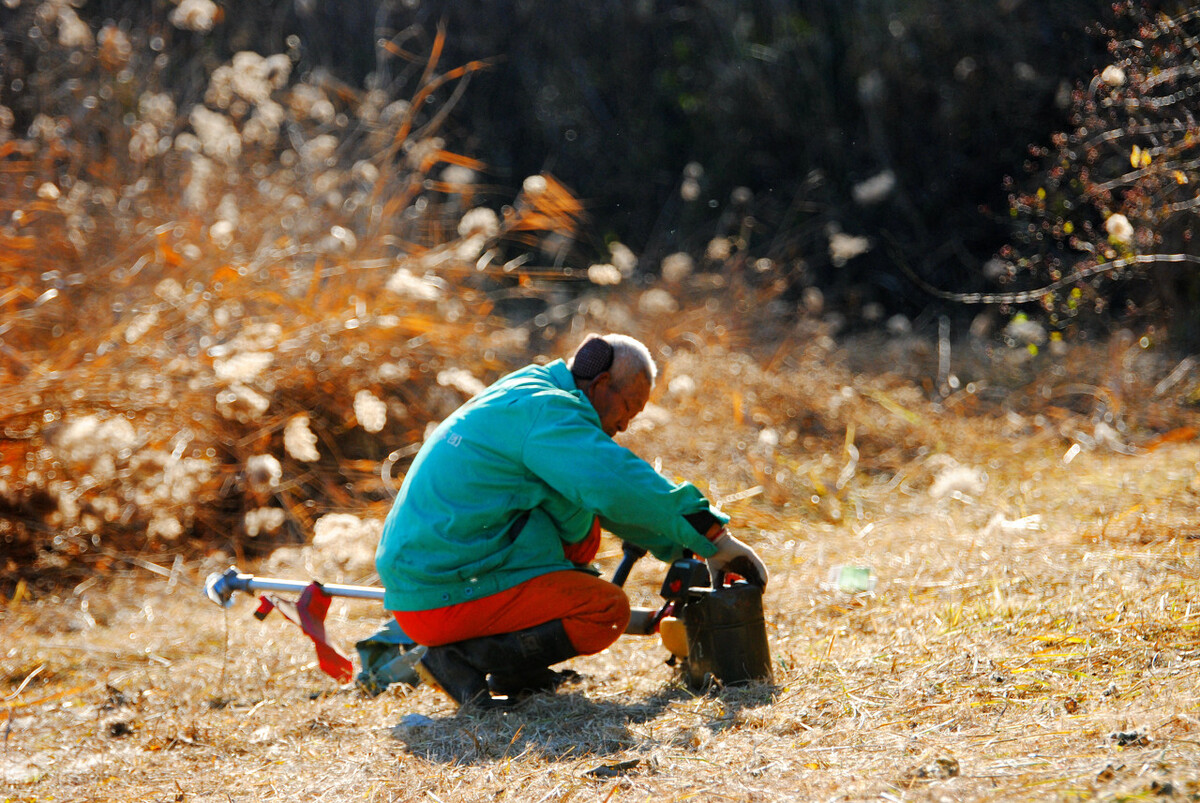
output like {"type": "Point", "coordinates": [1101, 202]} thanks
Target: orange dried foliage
{"type": "Point", "coordinates": [1177, 435]}
{"type": "Point", "coordinates": [460, 160]}
{"type": "Point", "coordinates": [130, 322]}
{"type": "Point", "coordinates": [18, 242]}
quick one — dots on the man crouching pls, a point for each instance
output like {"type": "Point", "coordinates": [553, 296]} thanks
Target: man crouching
{"type": "Point", "coordinates": [481, 552]}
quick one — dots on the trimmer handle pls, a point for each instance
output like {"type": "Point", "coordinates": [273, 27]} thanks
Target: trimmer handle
{"type": "Point", "coordinates": [630, 554]}
{"type": "Point", "coordinates": [739, 570]}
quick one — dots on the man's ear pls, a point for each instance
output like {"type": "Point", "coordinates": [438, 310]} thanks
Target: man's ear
{"type": "Point", "coordinates": [601, 380]}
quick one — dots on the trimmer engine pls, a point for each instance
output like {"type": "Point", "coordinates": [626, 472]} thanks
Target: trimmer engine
{"type": "Point", "coordinates": [724, 634]}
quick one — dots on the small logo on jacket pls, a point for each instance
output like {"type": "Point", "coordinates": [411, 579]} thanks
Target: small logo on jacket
{"type": "Point", "coordinates": [454, 439]}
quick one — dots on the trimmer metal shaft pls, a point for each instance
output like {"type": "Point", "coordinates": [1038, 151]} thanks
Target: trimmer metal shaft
{"type": "Point", "coordinates": [220, 587]}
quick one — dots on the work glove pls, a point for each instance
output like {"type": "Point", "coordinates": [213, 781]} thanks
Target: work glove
{"type": "Point", "coordinates": [734, 557]}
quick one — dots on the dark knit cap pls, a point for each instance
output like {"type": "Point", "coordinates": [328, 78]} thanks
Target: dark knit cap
{"type": "Point", "coordinates": [593, 358]}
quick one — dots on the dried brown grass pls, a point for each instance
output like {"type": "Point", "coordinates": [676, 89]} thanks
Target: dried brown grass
{"type": "Point", "coordinates": [999, 657]}
{"type": "Point", "coordinates": [172, 311]}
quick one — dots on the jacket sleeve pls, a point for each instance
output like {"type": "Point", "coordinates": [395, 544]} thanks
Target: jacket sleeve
{"type": "Point", "coordinates": [566, 448]}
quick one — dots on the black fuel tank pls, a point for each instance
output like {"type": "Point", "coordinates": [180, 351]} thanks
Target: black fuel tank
{"type": "Point", "coordinates": [726, 636]}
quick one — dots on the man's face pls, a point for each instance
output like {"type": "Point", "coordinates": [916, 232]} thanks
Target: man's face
{"type": "Point", "coordinates": [618, 406]}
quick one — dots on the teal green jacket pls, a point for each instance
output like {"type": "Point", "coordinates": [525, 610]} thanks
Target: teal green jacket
{"type": "Point", "coordinates": [506, 479]}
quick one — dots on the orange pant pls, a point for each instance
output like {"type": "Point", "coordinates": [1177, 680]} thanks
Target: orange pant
{"type": "Point", "coordinates": [594, 612]}
{"type": "Point", "coordinates": [585, 551]}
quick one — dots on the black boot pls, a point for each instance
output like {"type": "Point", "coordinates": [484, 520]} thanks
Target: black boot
{"type": "Point", "coordinates": [534, 681]}
{"type": "Point", "coordinates": [461, 669]}
{"type": "Point", "coordinates": [448, 668]}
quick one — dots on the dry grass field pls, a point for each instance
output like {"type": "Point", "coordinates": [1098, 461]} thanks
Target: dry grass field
{"type": "Point", "coordinates": [227, 311]}
{"type": "Point", "coordinates": [1032, 634]}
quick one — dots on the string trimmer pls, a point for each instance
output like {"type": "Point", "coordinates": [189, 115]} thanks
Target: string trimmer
{"type": "Point", "coordinates": [717, 634]}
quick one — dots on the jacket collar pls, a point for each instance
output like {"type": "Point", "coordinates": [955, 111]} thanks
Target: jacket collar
{"type": "Point", "coordinates": [561, 376]}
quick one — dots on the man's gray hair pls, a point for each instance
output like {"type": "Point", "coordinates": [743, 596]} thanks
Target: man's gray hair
{"type": "Point", "coordinates": [630, 357]}
{"type": "Point", "coordinates": [627, 358]}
